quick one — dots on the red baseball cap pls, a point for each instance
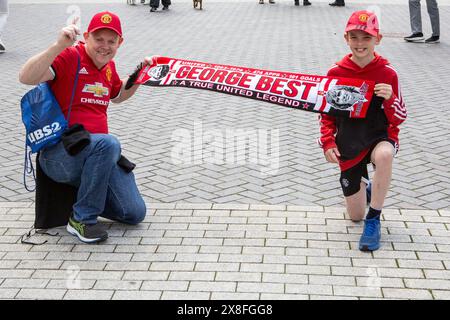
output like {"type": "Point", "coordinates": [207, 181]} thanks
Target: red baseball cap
{"type": "Point", "coordinates": [365, 21]}
{"type": "Point", "coordinates": [105, 20]}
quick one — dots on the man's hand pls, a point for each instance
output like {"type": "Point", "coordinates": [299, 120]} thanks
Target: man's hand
{"type": "Point", "coordinates": [36, 69]}
{"type": "Point", "coordinates": [383, 90]}
{"type": "Point", "coordinates": [332, 155]}
{"type": "Point", "coordinates": [151, 61]}
{"type": "Point", "coordinates": [68, 35]}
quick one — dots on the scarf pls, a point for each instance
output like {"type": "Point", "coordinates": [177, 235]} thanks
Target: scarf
{"type": "Point", "coordinates": [343, 97]}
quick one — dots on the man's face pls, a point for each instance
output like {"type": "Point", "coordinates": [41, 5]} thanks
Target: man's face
{"type": "Point", "coordinates": [156, 72]}
{"type": "Point", "coordinates": [361, 43]}
{"type": "Point", "coordinates": [344, 97]}
{"type": "Point", "coordinates": [102, 45]}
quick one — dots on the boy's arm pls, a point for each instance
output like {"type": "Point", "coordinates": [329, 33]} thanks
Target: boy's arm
{"type": "Point", "coordinates": [327, 124]}
{"type": "Point", "coordinates": [394, 108]}
{"type": "Point", "coordinates": [327, 132]}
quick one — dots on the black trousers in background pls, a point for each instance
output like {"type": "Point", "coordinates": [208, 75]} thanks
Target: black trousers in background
{"type": "Point", "coordinates": [155, 3]}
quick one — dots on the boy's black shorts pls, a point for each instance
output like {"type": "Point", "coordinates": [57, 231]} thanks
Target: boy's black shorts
{"type": "Point", "coordinates": [351, 179]}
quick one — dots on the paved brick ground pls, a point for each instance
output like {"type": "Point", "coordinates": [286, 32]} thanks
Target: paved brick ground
{"type": "Point", "coordinates": [229, 231]}
{"type": "Point", "coordinates": [230, 251]}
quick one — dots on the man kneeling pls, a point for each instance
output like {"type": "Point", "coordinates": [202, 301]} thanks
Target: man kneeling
{"type": "Point", "coordinates": [105, 188]}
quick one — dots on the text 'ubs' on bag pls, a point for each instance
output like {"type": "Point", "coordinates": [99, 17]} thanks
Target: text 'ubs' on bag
{"type": "Point", "coordinates": [44, 121]}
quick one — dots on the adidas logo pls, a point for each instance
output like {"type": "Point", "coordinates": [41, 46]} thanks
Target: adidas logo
{"type": "Point", "coordinates": [83, 71]}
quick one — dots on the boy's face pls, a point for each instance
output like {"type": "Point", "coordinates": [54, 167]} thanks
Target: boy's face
{"type": "Point", "coordinates": [361, 43]}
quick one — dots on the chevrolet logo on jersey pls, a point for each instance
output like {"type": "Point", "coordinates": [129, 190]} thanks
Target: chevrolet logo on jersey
{"type": "Point", "coordinates": [97, 89]}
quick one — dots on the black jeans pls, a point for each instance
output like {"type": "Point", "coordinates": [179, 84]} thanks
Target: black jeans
{"type": "Point", "coordinates": [155, 3]}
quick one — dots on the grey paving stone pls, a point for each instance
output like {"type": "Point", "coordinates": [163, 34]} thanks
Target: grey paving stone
{"type": "Point", "coordinates": [212, 286]}
{"type": "Point", "coordinates": [136, 295]}
{"type": "Point", "coordinates": [370, 281]}
{"type": "Point", "coordinates": [180, 295]}
{"type": "Point", "coordinates": [428, 284]}
{"type": "Point", "coordinates": [8, 293]}
{"type": "Point", "coordinates": [407, 294]}
{"type": "Point", "coordinates": [165, 285]}
{"type": "Point", "coordinates": [25, 283]}
{"type": "Point", "coordinates": [84, 265]}
{"type": "Point", "coordinates": [370, 292]}
{"type": "Point", "coordinates": [234, 296]}
{"type": "Point", "coordinates": [88, 295]}
{"type": "Point", "coordinates": [39, 264]}
{"type": "Point", "coordinates": [309, 289]}
{"type": "Point", "coordinates": [117, 285]}
{"type": "Point", "coordinates": [70, 283]}
{"type": "Point", "coordinates": [441, 294]}
{"type": "Point", "coordinates": [260, 287]}
{"type": "Point", "coordinates": [42, 294]}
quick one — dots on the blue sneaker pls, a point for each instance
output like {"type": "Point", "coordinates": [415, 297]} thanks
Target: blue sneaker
{"type": "Point", "coordinates": [370, 239]}
{"type": "Point", "coordinates": [369, 192]}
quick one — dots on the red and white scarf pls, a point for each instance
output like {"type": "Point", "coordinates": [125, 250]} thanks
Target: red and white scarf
{"type": "Point", "coordinates": [334, 96]}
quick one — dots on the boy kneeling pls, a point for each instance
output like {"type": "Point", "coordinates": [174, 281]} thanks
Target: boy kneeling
{"type": "Point", "coordinates": [354, 143]}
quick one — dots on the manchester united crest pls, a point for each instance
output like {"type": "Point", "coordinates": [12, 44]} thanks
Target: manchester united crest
{"type": "Point", "coordinates": [363, 17]}
{"type": "Point", "coordinates": [106, 18]}
{"type": "Point", "coordinates": [108, 73]}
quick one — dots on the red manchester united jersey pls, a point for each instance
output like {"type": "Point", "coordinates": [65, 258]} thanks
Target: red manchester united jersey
{"type": "Point", "coordinates": [94, 90]}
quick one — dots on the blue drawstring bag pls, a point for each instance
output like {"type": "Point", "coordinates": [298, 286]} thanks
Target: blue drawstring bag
{"type": "Point", "coordinates": [44, 121]}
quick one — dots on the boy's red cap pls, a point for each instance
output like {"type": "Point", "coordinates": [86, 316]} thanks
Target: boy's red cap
{"type": "Point", "coordinates": [365, 21]}
{"type": "Point", "coordinates": [105, 20]}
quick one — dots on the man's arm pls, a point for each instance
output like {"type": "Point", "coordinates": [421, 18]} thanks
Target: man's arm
{"type": "Point", "coordinates": [36, 69]}
{"type": "Point", "coordinates": [128, 87]}
{"type": "Point", "coordinates": [125, 93]}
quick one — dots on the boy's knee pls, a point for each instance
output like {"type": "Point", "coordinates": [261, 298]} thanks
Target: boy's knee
{"type": "Point", "coordinates": [383, 157]}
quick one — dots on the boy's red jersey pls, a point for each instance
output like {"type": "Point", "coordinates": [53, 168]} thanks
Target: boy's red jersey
{"type": "Point", "coordinates": [354, 137]}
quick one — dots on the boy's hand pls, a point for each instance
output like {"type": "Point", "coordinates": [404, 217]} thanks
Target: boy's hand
{"type": "Point", "coordinates": [383, 90]}
{"type": "Point", "coordinates": [68, 35]}
{"type": "Point", "coordinates": [332, 155]}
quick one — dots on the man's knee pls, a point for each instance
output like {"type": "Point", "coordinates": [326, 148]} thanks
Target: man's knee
{"type": "Point", "coordinates": [108, 141]}
{"type": "Point", "coordinates": [108, 145]}
{"type": "Point", "coordinates": [137, 213]}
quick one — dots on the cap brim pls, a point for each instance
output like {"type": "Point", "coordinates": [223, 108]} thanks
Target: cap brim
{"type": "Point", "coordinates": [353, 27]}
{"type": "Point", "coordinates": [105, 27]}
